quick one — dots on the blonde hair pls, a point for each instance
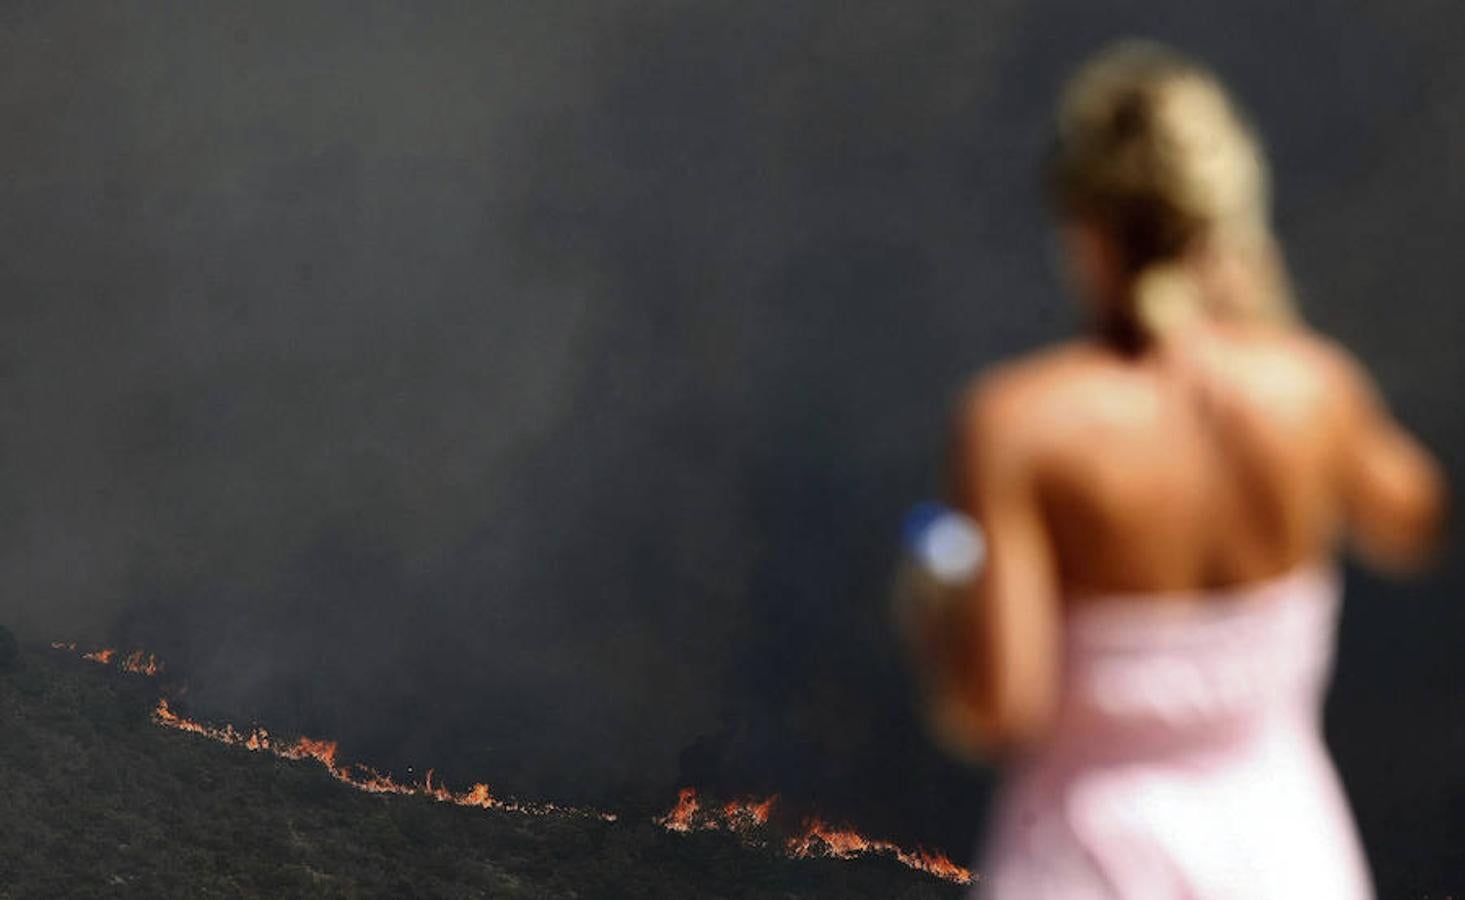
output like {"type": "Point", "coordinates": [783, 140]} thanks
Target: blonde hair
{"type": "Point", "coordinates": [1153, 151]}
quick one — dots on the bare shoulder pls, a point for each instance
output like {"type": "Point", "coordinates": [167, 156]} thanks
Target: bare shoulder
{"type": "Point", "coordinates": [1329, 366]}
{"type": "Point", "coordinates": [1008, 403]}
{"type": "Point", "coordinates": [1325, 355]}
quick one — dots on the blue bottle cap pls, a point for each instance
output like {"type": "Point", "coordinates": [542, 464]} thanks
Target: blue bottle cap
{"type": "Point", "coordinates": [918, 522]}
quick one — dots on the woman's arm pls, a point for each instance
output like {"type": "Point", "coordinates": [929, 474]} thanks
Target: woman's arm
{"type": "Point", "coordinates": [996, 649]}
{"type": "Point", "coordinates": [1392, 490]}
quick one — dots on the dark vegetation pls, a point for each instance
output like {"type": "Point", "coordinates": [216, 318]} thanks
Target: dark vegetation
{"type": "Point", "coordinates": [9, 652]}
{"type": "Point", "coordinates": [100, 802]}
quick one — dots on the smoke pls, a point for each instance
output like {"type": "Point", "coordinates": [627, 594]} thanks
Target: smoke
{"type": "Point", "coordinates": [531, 390]}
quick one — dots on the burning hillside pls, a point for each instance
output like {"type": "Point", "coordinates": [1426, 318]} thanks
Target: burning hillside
{"type": "Point", "coordinates": [747, 819]}
{"type": "Point", "coordinates": [360, 777]}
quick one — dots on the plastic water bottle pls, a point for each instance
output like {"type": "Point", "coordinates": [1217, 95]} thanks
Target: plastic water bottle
{"type": "Point", "coordinates": [947, 544]}
{"type": "Point", "coordinates": [944, 552]}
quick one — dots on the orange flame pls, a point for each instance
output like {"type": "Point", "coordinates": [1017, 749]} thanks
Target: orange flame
{"type": "Point", "coordinates": [363, 778]}
{"type": "Point", "coordinates": [821, 839]}
{"type": "Point", "coordinates": [747, 813]}
{"type": "Point", "coordinates": [479, 795]}
{"type": "Point", "coordinates": [137, 662]}
{"type": "Point", "coordinates": [142, 664]}
{"type": "Point", "coordinates": [679, 818]}
{"type": "Point", "coordinates": [737, 815]}
{"type": "Point", "coordinates": [323, 752]}
{"type": "Point", "coordinates": [817, 838]}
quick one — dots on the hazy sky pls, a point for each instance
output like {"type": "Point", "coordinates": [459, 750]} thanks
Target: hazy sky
{"type": "Point", "coordinates": [533, 389]}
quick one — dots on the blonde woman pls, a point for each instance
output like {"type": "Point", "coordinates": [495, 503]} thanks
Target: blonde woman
{"type": "Point", "coordinates": [1147, 646]}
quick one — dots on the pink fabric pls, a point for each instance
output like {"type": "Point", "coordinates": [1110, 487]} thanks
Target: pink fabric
{"type": "Point", "coordinates": [1188, 760]}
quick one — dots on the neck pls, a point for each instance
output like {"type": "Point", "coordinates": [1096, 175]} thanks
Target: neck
{"type": "Point", "coordinates": [1120, 333]}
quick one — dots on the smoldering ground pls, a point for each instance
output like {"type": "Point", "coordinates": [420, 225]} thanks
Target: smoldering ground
{"type": "Point", "coordinates": [530, 390]}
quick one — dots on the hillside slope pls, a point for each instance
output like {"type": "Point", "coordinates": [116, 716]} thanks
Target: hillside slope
{"type": "Point", "coordinates": [101, 802]}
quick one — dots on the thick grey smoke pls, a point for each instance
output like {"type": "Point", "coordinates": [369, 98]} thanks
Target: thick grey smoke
{"type": "Point", "coordinates": [531, 389]}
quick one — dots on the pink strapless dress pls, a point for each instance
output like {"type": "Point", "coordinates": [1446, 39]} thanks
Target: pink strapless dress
{"type": "Point", "coordinates": [1187, 760]}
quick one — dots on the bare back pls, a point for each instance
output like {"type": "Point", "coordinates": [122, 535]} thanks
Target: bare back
{"type": "Point", "coordinates": [1208, 464]}
{"type": "Point", "coordinates": [1224, 457]}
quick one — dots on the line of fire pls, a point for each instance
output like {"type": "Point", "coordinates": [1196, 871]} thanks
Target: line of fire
{"type": "Point", "coordinates": [749, 818]}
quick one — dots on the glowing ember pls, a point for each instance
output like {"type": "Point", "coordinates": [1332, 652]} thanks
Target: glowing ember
{"type": "Point", "coordinates": [103, 656]}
